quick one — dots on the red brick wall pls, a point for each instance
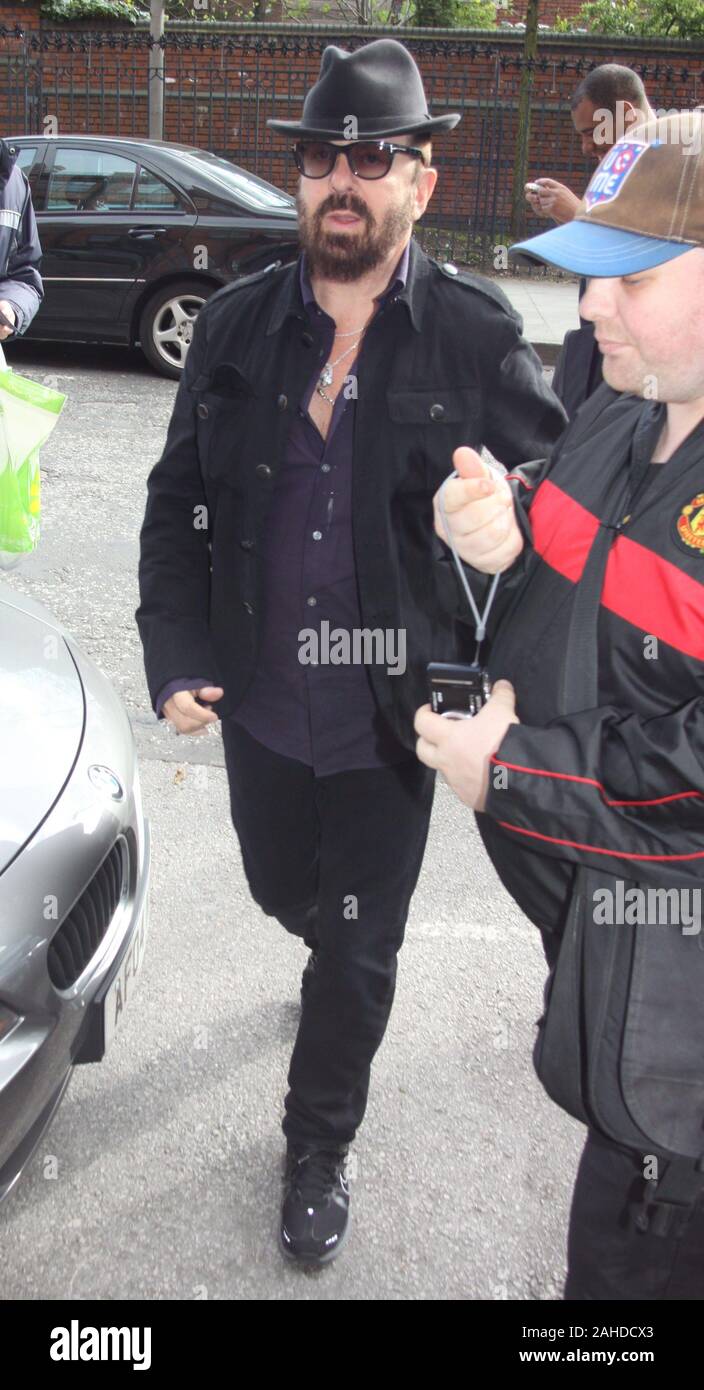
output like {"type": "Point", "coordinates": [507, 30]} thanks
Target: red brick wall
{"type": "Point", "coordinates": [549, 10]}
{"type": "Point", "coordinates": [12, 13]}
{"type": "Point", "coordinates": [220, 99]}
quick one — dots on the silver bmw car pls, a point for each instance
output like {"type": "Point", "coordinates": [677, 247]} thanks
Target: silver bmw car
{"type": "Point", "coordinates": [74, 870]}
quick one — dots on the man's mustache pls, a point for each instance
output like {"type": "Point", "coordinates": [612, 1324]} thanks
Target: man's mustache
{"type": "Point", "coordinates": [348, 204]}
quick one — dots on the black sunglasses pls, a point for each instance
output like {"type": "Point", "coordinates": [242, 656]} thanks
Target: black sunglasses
{"type": "Point", "coordinates": [368, 159]}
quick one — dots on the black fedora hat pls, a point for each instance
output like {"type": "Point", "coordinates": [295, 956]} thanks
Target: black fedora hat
{"type": "Point", "coordinates": [379, 85]}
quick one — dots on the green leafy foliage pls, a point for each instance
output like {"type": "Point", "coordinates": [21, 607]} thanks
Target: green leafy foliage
{"type": "Point", "coordinates": [208, 11]}
{"type": "Point", "coordinates": [446, 14]}
{"type": "Point", "coordinates": [674, 19]}
{"type": "Point", "coordinates": [89, 9]}
{"type": "Point", "coordinates": [463, 14]}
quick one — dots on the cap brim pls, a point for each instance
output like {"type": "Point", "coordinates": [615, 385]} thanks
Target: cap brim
{"type": "Point", "coordinates": [591, 249]}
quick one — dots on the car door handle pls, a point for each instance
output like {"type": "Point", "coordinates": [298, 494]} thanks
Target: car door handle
{"type": "Point", "coordinates": [141, 233]}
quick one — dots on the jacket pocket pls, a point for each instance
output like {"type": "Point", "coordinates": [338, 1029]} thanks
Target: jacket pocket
{"type": "Point", "coordinates": [427, 426]}
{"type": "Point", "coordinates": [226, 381]}
{"type": "Point", "coordinates": [225, 402]}
{"type": "Point", "coordinates": [226, 405]}
{"type": "Point", "coordinates": [434, 405]}
{"type": "Point", "coordinates": [218, 432]}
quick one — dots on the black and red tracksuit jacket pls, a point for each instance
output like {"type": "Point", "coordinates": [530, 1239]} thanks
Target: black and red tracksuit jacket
{"type": "Point", "coordinates": [603, 780]}
{"type": "Point", "coordinates": [619, 786]}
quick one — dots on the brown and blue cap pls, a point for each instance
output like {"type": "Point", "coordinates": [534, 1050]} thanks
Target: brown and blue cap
{"type": "Point", "coordinates": [644, 204]}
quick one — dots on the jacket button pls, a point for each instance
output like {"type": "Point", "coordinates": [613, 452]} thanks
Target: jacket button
{"type": "Point", "coordinates": [246, 545]}
{"type": "Point", "coordinates": [263, 470]}
{"type": "Point", "coordinates": [247, 606]}
{"type": "Point", "coordinates": [437, 411]}
{"type": "Point", "coordinates": [282, 402]}
{"type": "Point", "coordinates": [306, 339]}
{"type": "Point", "coordinates": [203, 410]}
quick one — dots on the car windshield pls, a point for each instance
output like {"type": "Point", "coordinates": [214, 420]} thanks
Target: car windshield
{"type": "Point", "coordinates": [244, 188]}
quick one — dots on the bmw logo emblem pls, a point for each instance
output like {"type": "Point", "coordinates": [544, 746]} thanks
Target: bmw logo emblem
{"type": "Point", "coordinates": [106, 781]}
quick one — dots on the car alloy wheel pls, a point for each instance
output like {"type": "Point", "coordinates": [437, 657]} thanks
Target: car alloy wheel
{"type": "Point", "coordinates": [167, 324]}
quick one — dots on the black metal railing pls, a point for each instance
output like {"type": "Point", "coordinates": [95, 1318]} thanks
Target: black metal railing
{"type": "Point", "coordinates": [221, 84]}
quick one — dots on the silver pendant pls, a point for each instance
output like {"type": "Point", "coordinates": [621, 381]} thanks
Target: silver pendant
{"type": "Point", "coordinates": [326, 376]}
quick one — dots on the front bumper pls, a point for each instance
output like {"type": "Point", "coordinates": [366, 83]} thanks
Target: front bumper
{"type": "Point", "coordinates": [41, 888]}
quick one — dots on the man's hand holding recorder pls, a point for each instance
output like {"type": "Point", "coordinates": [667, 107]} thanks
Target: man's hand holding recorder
{"type": "Point", "coordinates": [480, 515]}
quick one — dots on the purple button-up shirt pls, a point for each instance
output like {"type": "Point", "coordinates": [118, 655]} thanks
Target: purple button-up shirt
{"type": "Point", "coordinates": [322, 714]}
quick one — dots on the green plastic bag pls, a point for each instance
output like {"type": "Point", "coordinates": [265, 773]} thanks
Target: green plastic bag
{"type": "Point", "coordinates": [28, 414]}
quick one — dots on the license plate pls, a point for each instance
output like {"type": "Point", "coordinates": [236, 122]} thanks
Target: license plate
{"type": "Point", "coordinates": [123, 986]}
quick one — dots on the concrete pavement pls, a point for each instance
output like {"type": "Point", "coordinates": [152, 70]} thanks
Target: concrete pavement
{"type": "Point", "coordinates": [548, 309]}
{"type": "Point", "coordinates": [166, 1176]}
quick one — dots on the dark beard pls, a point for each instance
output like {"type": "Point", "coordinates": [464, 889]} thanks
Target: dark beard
{"type": "Point", "coordinates": [346, 257]}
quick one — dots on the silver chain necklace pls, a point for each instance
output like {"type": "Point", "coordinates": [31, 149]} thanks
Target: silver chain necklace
{"type": "Point", "coordinates": [325, 378]}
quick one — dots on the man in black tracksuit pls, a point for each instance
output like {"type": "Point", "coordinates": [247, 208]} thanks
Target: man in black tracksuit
{"type": "Point", "coordinates": [592, 806]}
{"type": "Point", "coordinates": [21, 290]}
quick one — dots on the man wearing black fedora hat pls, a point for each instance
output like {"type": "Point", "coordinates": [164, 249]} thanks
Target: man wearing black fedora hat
{"type": "Point", "coordinates": [316, 416]}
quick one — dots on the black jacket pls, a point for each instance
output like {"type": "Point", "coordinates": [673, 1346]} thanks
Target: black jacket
{"type": "Point", "coordinates": [602, 784]}
{"type": "Point", "coordinates": [20, 251]}
{"type": "Point", "coordinates": [443, 364]}
{"type": "Point", "coordinates": [579, 367]}
{"type": "Point", "coordinates": [578, 370]}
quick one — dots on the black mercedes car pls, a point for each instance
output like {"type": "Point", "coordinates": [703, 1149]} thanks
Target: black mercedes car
{"type": "Point", "coordinates": [137, 234]}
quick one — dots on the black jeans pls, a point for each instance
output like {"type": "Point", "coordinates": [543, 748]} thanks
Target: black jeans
{"type": "Point", "coordinates": [608, 1257]}
{"type": "Point", "coordinates": [336, 860]}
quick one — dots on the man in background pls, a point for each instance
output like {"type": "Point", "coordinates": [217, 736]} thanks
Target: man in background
{"type": "Point", "coordinates": [606, 104]}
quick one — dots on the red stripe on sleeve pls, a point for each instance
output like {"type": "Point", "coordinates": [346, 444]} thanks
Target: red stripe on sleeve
{"type": "Point", "coordinates": [590, 782]}
{"type": "Point", "coordinates": [598, 849]}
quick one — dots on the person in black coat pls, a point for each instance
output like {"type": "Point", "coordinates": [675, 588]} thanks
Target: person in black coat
{"type": "Point", "coordinates": [21, 290]}
{"type": "Point", "coordinates": [291, 584]}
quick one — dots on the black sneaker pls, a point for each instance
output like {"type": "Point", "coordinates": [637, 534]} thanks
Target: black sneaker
{"type": "Point", "coordinates": [308, 972]}
{"type": "Point", "coordinates": [315, 1211]}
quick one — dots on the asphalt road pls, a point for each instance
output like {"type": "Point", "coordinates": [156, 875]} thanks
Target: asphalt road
{"type": "Point", "coordinates": [160, 1177]}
